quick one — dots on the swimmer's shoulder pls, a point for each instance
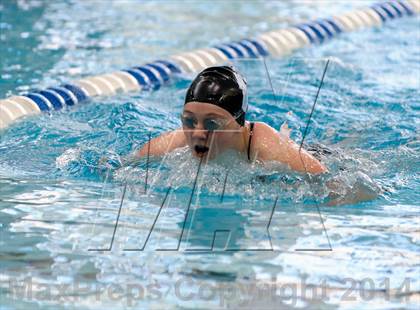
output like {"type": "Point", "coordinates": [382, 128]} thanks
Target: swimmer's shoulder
{"type": "Point", "coordinates": [263, 129]}
{"type": "Point", "coordinates": [270, 145]}
{"type": "Point", "coordinates": [265, 140]}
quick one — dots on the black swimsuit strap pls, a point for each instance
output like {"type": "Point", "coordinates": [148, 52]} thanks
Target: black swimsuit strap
{"type": "Point", "coordinates": [251, 130]}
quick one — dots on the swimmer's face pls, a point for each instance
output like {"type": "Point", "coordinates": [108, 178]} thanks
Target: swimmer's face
{"type": "Point", "coordinates": [209, 129]}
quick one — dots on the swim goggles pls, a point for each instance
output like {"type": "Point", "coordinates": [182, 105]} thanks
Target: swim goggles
{"type": "Point", "coordinates": [209, 124]}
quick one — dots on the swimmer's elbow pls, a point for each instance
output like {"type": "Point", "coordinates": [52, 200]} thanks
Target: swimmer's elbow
{"type": "Point", "coordinates": [320, 169]}
{"type": "Point", "coordinates": [310, 164]}
{"type": "Point", "coordinates": [313, 168]}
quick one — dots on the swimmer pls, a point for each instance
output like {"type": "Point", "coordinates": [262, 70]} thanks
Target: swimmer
{"type": "Point", "coordinates": [214, 121]}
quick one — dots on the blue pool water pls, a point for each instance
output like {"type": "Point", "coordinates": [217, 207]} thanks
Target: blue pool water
{"type": "Point", "coordinates": [59, 204]}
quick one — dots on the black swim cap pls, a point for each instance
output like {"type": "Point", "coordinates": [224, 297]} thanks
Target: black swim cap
{"type": "Point", "coordinates": [221, 86]}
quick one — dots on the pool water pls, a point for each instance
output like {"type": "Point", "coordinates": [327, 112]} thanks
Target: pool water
{"type": "Point", "coordinates": [177, 233]}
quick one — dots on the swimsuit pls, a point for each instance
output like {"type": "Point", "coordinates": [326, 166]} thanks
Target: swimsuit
{"type": "Point", "coordinates": [251, 129]}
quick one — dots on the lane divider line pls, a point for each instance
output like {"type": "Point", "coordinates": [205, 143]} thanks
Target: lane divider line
{"type": "Point", "coordinates": [153, 75]}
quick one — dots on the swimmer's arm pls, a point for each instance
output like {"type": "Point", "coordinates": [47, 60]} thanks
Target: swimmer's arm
{"type": "Point", "coordinates": [273, 146]}
{"type": "Point", "coordinates": [162, 144]}
{"type": "Point", "coordinates": [158, 146]}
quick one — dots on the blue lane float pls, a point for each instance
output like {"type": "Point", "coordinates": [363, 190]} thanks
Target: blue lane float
{"type": "Point", "coordinates": [155, 74]}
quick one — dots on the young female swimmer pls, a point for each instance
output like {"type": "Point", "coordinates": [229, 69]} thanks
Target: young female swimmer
{"type": "Point", "coordinates": [213, 121]}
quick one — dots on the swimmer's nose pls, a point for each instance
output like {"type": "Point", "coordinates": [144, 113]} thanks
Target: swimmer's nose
{"type": "Point", "coordinates": [199, 132]}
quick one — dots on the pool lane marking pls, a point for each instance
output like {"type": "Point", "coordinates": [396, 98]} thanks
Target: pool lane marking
{"type": "Point", "coordinates": [240, 53]}
{"type": "Point", "coordinates": [198, 59]}
{"type": "Point", "coordinates": [281, 40]}
{"type": "Point", "coordinates": [97, 90]}
{"type": "Point", "coordinates": [271, 44]}
{"type": "Point", "coordinates": [145, 77]}
{"type": "Point", "coordinates": [170, 64]}
{"type": "Point", "coordinates": [243, 50]}
{"type": "Point", "coordinates": [313, 31]}
{"type": "Point", "coordinates": [210, 59]}
{"type": "Point", "coordinates": [391, 11]}
{"type": "Point", "coordinates": [368, 19]}
{"type": "Point", "coordinates": [319, 30]}
{"type": "Point", "coordinates": [230, 51]}
{"type": "Point", "coordinates": [83, 89]}
{"type": "Point", "coordinates": [372, 14]}
{"type": "Point", "coordinates": [382, 14]}
{"type": "Point", "coordinates": [106, 87]}
{"type": "Point", "coordinates": [28, 101]}
{"type": "Point", "coordinates": [404, 7]}
{"type": "Point", "coordinates": [89, 87]}
{"type": "Point", "coordinates": [7, 111]}
{"type": "Point", "coordinates": [154, 72]}
{"type": "Point", "coordinates": [390, 6]}
{"type": "Point", "coordinates": [69, 93]}
{"type": "Point", "coordinates": [110, 88]}
{"type": "Point", "coordinates": [375, 15]}
{"type": "Point", "coordinates": [47, 103]}
{"type": "Point", "coordinates": [161, 66]}
{"type": "Point", "coordinates": [284, 40]}
{"type": "Point", "coordinates": [184, 63]}
{"type": "Point", "coordinates": [19, 107]}
{"type": "Point", "coordinates": [300, 35]}
{"type": "Point", "coordinates": [216, 53]}
{"type": "Point", "coordinates": [130, 81]}
{"type": "Point", "coordinates": [57, 95]}
{"type": "Point", "coordinates": [415, 4]}
{"type": "Point", "coordinates": [294, 43]}
{"type": "Point", "coordinates": [195, 64]}
{"type": "Point", "coordinates": [313, 37]}
{"type": "Point", "coordinates": [304, 166]}
{"type": "Point", "coordinates": [358, 20]}
{"type": "Point", "coordinates": [117, 80]}
{"type": "Point", "coordinates": [327, 27]}
{"type": "Point", "coordinates": [250, 46]}
{"type": "Point", "coordinates": [346, 23]}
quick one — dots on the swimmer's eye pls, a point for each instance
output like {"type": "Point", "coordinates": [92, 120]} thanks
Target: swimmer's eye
{"type": "Point", "coordinates": [212, 124]}
{"type": "Point", "coordinates": [189, 122]}
{"type": "Point", "coordinates": [209, 124]}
